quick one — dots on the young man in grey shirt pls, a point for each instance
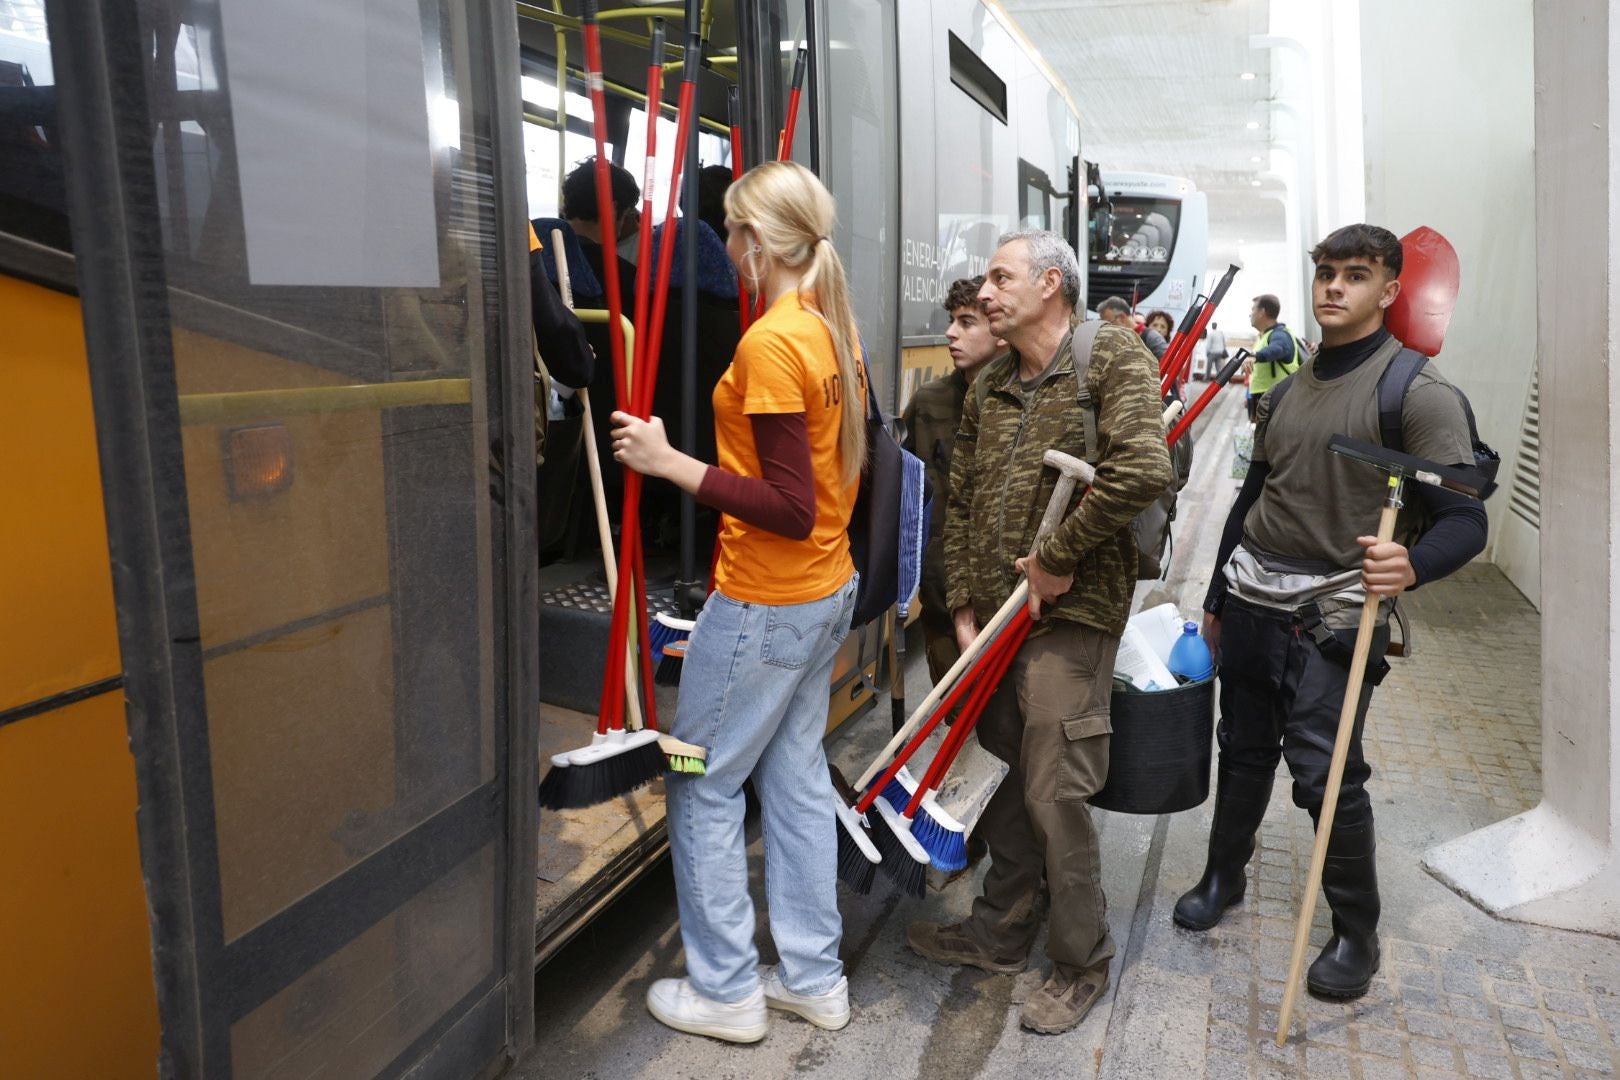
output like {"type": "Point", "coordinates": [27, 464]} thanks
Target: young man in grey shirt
{"type": "Point", "coordinates": [1296, 560]}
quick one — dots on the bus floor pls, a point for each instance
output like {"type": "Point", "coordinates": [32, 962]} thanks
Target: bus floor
{"type": "Point", "coordinates": [1454, 741]}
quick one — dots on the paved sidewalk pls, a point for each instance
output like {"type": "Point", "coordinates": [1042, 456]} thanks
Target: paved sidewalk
{"type": "Point", "coordinates": [1454, 742]}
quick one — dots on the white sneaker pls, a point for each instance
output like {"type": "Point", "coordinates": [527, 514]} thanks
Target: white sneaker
{"type": "Point", "coordinates": [829, 1010]}
{"type": "Point", "coordinates": [676, 1003]}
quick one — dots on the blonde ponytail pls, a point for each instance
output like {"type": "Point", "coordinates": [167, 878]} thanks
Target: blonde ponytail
{"type": "Point", "coordinates": [826, 279]}
{"type": "Point", "coordinates": [792, 214]}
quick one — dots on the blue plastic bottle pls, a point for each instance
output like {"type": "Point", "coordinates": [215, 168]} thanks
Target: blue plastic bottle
{"type": "Point", "coordinates": [1190, 658]}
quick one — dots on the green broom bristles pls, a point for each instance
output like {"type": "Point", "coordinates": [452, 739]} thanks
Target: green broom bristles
{"type": "Point", "coordinates": [683, 757]}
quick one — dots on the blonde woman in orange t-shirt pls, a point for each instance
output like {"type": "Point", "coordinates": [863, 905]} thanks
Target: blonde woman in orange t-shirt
{"type": "Point", "coordinates": [791, 433]}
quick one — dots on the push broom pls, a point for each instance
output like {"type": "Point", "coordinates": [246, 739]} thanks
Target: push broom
{"type": "Point", "coordinates": [897, 840]}
{"type": "Point", "coordinates": [616, 761]}
{"type": "Point", "coordinates": [952, 687]}
{"type": "Point", "coordinates": [681, 756]}
{"type": "Point", "coordinates": [911, 843]}
{"type": "Point", "coordinates": [857, 856]}
{"type": "Point", "coordinates": [630, 601]}
{"type": "Point", "coordinates": [858, 851]}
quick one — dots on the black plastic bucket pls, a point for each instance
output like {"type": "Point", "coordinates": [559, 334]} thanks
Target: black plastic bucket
{"type": "Point", "coordinates": [1159, 755]}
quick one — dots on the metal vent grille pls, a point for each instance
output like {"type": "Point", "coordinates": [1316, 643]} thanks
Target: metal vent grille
{"type": "Point", "coordinates": [1526, 498]}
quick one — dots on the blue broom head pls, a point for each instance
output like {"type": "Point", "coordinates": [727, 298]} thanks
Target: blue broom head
{"type": "Point", "coordinates": [900, 788]}
{"type": "Point", "coordinates": [664, 629]}
{"type": "Point", "coordinates": [941, 835]}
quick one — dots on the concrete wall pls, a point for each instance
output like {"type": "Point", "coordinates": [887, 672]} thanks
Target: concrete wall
{"type": "Point", "coordinates": [1557, 864]}
{"type": "Point", "coordinates": [1448, 90]}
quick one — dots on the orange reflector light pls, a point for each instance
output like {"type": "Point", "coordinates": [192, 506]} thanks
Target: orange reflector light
{"type": "Point", "coordinates": [258, 460]}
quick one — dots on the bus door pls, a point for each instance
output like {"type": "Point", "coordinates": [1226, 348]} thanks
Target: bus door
{"type": "Point", "coordinates": [301, 252]}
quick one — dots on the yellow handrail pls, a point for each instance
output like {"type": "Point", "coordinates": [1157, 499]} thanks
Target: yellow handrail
{"type": "Point", "coordinates": [600, 315]}
{"type": "Point", "coordinates": [570, 22]}
{"type": "Point", "coordinates": [241, 405]}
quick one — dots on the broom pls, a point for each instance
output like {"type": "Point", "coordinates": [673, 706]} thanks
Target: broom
{"type": "Point", "coordinates": [909, 843]}
{"type": "Point", "coordinates": [857, 853]}
{"type": "Point", "coordinates": [939, 833]}
{"type": "Point", "coordinates": [646, 368]}
{"type": "Point", "coordinates": [1014, 613]}
{"type": "Point", "coordinates": [616, 762]}
{"type": "Point", "coordinates": [901, 857]}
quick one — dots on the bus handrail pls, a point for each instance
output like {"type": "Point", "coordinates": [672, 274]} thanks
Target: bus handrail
{"type": "Point", "coordinates": [242, 405]}
{"type": "Point", "coordinates": [600, 315]}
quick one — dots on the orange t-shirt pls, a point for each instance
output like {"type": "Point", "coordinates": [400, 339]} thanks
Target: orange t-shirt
{"type": "Point", "coordinates": [786, 363]}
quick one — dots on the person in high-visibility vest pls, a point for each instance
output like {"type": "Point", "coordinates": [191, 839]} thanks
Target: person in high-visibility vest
{"type": "Point", "coordinates": [1276, 350]}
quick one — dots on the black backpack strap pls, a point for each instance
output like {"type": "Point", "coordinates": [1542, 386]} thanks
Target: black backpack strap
{"type": "Point", "coordinates": [1392, 387]}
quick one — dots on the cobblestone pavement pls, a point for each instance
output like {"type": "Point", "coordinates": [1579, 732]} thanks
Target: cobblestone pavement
{"type": "Point", "coordinates": [1454, 742]}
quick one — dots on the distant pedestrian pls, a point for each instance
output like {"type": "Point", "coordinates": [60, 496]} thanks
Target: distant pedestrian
{"type": "Point", "coordinates": [1117, 311]}
{"type": "Point", "coordinates": [1276, 351]}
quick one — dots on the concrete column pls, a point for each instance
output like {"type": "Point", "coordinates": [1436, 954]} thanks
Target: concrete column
{"type": "Point", "coordinates": [1557, 864]}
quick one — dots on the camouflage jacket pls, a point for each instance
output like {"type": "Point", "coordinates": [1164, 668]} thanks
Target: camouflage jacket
{"type": "Point", "coordinates": [999, 486]}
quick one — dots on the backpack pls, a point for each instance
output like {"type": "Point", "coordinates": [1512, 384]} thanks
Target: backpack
{"type": "Point", "coordinates": [881, 505]}
{"type": "Point", "coordinates": [1150, 529]}
{"type": "Point", "coordinates": [1392, 387]}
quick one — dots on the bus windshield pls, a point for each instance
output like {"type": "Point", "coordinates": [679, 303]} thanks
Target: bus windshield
{"type": "Point", "coordinates": [1143, 235]}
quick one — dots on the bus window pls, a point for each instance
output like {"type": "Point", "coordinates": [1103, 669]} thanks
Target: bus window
{"type": "Point", "coordinates": [33, 203]}
{"type": "Point", "coordinates": [1034, 197]}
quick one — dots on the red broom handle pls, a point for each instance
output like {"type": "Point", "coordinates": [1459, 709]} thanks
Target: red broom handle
{"type": "Point", "coordinates": [666, 249]}
{"type": "Point", "coordinates": [604, 189]}
{"type": "Point", "coordinates": [610, 714]}
{"type": "Point", "coordinates": [980, 665]}
{"type": "Point", "coordinates": [631, 566]}
{"type": "Point", "coordinates": [649, 175]}
{"type": "Point", "coordinates": [1006, 650]}
{"type": "Point", "coordinates": [1181, 332]}
{"type": "Point", "coordinates": [795, 91]}
{"type": "Point", "coordinates": [1206, 397]}
{"type": "Point", "coordinates": [745, 303]}
{"type": "Point", "coordinates": [1176, 370]}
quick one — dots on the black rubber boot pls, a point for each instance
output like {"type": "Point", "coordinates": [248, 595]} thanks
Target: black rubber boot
{"type": "Point", "coordinates": [1240, 803]}
{"type": "Point", "coordinates": [1350, 883]}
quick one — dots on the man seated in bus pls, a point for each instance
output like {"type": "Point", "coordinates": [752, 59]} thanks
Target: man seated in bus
{"type": "Point", "coordinates": [1276, 350]}
{"type": "Point", "coordinates": [580, 209]}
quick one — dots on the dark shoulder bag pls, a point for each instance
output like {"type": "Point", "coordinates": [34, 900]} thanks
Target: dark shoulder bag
{"type": "Point", "coordinates": [874, 527]}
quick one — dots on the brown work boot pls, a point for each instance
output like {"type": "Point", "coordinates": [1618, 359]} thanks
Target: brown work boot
{"type": "Point", "coordinates": [1062, 1002]}
{"type": "Point", "coordinates": [952, 945]}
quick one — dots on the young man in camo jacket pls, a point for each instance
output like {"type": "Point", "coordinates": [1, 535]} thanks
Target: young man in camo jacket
{"type": "Point", "coordinates": [932, 418]}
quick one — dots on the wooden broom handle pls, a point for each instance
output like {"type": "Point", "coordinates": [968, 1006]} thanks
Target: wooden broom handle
{"type": "Point", "coordinates": [1330, 796]}
{"type": "Point", "coordinates": [593, 465]}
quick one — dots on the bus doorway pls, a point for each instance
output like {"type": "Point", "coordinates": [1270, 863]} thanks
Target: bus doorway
{"type": "Point", "coordinates": [298, 241]}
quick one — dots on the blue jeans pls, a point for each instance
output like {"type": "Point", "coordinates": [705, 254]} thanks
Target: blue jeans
{"type": "Point", "coordinates": [754, 690]}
